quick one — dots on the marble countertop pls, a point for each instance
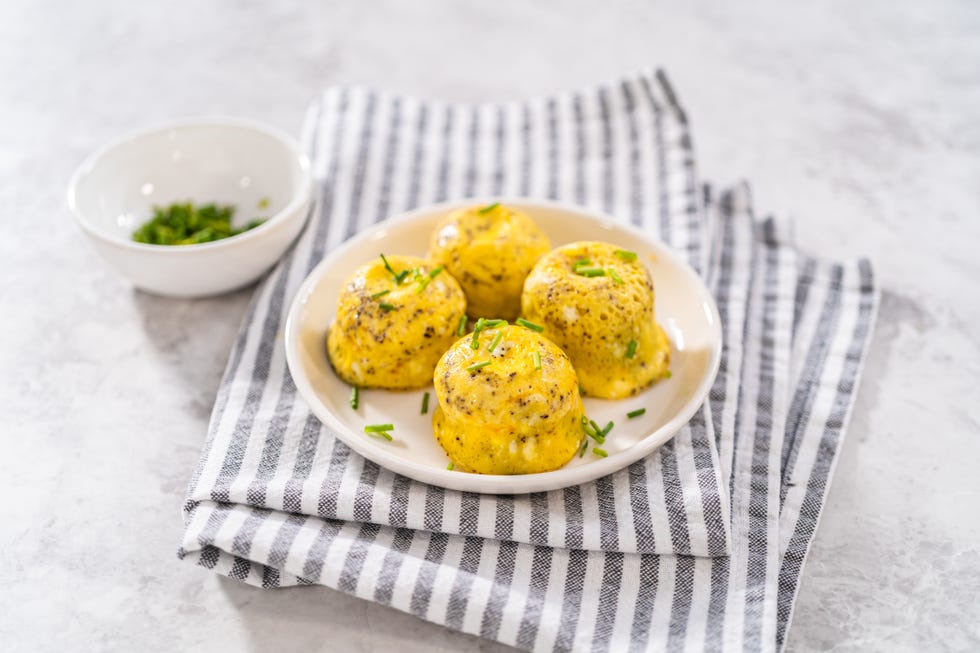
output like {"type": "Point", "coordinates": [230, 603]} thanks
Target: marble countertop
{"type": "Point", "coordinates": [858, 120]}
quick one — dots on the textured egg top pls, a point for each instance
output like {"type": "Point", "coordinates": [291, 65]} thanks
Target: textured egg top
{"type": "Point", "coordinates": [389, 334]}
{"type": "Point", "coordinates": [596, 301]}
{"type": "Point", "coordinates": [510, 390]}
{"type": "Point", "coordinates": [490, 250]}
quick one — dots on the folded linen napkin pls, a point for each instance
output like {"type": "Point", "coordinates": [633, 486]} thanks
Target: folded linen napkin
{"type": "Point", "coordinates": [776, 414]}
{"type": "Point", "coordinates": [624, 149]}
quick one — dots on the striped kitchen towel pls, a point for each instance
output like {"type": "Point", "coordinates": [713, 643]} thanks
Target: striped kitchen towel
{"type": "Point", "coordinates": [623, 149]}
{"type": "Point", "coordinates": [554, 571]}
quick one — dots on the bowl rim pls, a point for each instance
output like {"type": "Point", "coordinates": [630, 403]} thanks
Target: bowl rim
{"type": "Point", "coordinates": [498, 483]}
{"type": "Point", "coordinates": [300, 196]}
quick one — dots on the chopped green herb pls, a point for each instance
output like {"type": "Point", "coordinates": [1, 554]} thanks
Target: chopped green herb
{"type": "Point", "coordinates": [450, 466]}
{"type": "Point", "coordinates": [386, 306]}
{"type": "Point", "coordinates": [615, 277]}
{"type": "Point", "coordinates": [587, 426]}
{"type": "Point", "coordinates": [595, 427]}
{"type": "Point", "coordinates": [380, 293]}
{"type": "Point", "coordinates": [536, 357]}
{"type": "Point", "coordinates": [461, 328]}
{"type": "Point", "coordinates": [355, 395]}
{"type": "Point", "coordinates": [582, 262]}
{"type": "Point", "coordinates": [475, 343]}
{"type": "Point", "coordinates": [401, 276]}
{"type": "Point", "coordinates": [668, 374]}
{"type": "Point", "coordinates": [487, 209]}
{"type": "Point", "coordinates": [585, 445]}
{"type": "Point", "coordinates": [388, 265]}
{"type": "Point", "coordinates": [435, 273]}
{"type": "Point", "coordinates": [581, 390]}
{"type": "Point", "coordinates": [187, 224]}
{"type": "Point", "coordinates": [422, 284]}
{"type": "Point", "coordinates": [493, 323]}
{"type": "Point", "coordinates": [495, 341]}
{"type": "Point", "coordinates": [631, 349]}
{"type": "Point", "coordinates": [425, 403]}
{"type": "Point", "coordinates": [591, 272]}
{"type": "Point", "coordinates": [636, 413]}
{"type": "Point", "coordinates": [475, 366]}
{"type": "Point", "coordinates": [382, 434]}
{"type": "Point", "coordinates": [263, 203]}
{"type": "Point", "coordinates": [608, 428]}
{"type": "Point", "coordinates": [378, 428]}
{"type": "Point", "coordinates": [529, 325]}
{"type": "Point", "coordinates": [627, 256]}
{"type": "Point", "coordinates": [599, 452]}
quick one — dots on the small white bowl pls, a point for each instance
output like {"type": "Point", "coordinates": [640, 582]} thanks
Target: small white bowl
{"type": "Point", "coordinates": [258, 169]}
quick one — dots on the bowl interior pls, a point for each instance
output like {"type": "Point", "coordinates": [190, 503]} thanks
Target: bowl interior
{"type": "Point", "coordinates": [221, 161]}
{"type": "Point", "coordinates": [683, 307]}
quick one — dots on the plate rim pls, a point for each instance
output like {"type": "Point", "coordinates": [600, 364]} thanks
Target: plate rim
{"type": "Point", "coordinates": [487, 483]}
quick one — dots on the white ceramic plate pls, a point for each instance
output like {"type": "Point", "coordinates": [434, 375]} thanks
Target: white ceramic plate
{"type": "Point", "coordinates": [684, 308]}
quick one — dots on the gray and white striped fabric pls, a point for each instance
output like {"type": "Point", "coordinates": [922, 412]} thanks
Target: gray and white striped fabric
{"type": "Point", "coordinates": [631, 562]}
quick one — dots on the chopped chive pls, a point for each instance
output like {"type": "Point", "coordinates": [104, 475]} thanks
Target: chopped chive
{"type": "Point", "coordinates": [475, 366]}
{"type": "Point", "coordinates": [595, 427]}
{"type": "Point", "coordinates": [581, 263]}
{"type": "Point", "coordinates": [631, 349]}
{"type": "Point", "coordinates": [380, 293]}
{"type": "Point", "coordinates": [636, 413]}
{"type": "Point", "coordinates": [668, 374]}
{"type": "Point", "coordinates": [355, 395]}
{"type": "Point", "coordinates": [536, 357]}
{"type": "Point", "coordinates": [450, 466]}
{"type": "Point", "coordinates": [386, 307]}
{"type": "Point", "coordinates": [495, 341]}
{"type": "Point", "coordinates": [435, 273]}
{"type": "Point", "coordinates": [627, 256]}
{"type": "Point", "coordinates": [615, 277]}
{"type": "Point", "coordinates": [487, 209]}
{"type": "Point", "coordinates": [378, 428]}
{"type": "Point", "coordinates": [608, 428]}
{"type": "Point", "coordinates": [581, 390]}
{"type": "Point", "coordinates": [529, 325]}
{"type": "Point", "coordinates": [493, 323]}
{"type": "Point", "coordinates": [585, 445]}
{"type": "Point", "coordinates": [382, 434]}
{"type": "Point", "coordinates": [598, 437]}
{"type": "Point", "coordinates": [599, 452]}
{"type": "Point", "coordinates": [425, 403]}
{"type": "Point", "coordinates": [588, 428]}
{"type": "Point", "coordinates": [422, 284]}
{"type": "Point", "coordinates": [475, 343]}
{"type": "Point", "coordinates": [591, 272]}
{"type": "Point", "coordinates": [461, 328]}
{"type": "Point", "coordinates": [401, 276]}
{"type": "Point", "coordinates": [597, 433]}
{"type": "Point", "coordinates": [388, 266]}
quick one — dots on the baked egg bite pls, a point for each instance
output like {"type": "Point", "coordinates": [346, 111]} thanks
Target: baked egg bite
{"type": "Point", "coordinates": [596, 302]}
{"type": "Point", "coordinates": [490, 250]}
{"type": "Point", "coordinates": [509, 406]}
{"type": "Point", "coordinates": [395, 318]}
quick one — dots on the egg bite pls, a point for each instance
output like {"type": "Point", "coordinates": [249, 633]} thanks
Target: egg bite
{"type": "Point", "coordinates": [509, 406]}
{"type": "Point", "coordinates": [490, 250]}
{"type": "Point", "coordinates": [596, 302]}
{"type": "Point", "coordinates": [395, 318]}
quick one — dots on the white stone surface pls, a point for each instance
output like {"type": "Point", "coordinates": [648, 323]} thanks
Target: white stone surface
{"type": "Point", "coordinates": [858, 120]}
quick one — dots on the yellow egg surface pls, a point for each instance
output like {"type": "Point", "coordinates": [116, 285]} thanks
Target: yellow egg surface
{"type": "Point", "coordinates": [389, 334]}
{"type": "Point", "coordinates": [595, 318]}
{"type": "Point", "coordinates": [507, 416]}
{"type": "Point", "coordinates": [490, 250]}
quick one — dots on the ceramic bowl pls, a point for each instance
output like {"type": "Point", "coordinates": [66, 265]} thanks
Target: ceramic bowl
{"type": "Point", "coordinates": [258, 169]}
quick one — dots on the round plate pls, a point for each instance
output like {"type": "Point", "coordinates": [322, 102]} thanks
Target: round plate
{"type": "Point", "coordinates": [684, 308]}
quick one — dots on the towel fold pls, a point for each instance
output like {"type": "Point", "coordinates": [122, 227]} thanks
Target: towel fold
{"type": "Point", "coordinates": [700, 545]}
